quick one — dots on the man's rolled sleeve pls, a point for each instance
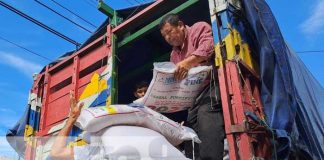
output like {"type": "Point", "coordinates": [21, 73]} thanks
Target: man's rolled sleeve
{"type": "Point", "coordinates": [203, 38]}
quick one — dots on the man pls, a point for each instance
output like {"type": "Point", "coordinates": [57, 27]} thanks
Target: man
{"type": "Point", "coordinates": [194, 46]}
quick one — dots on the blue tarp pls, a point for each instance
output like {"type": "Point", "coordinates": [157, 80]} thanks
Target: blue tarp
{"type": "Point", "coordinates": [15, 135]}
{"type": "Point", "coordinates": [292, 98]}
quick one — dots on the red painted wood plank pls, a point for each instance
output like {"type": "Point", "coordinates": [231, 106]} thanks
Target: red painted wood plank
{"type": "Point", "coordinates": [227, 110]}
{"type": "Point", "coordinates": [61, 75]}
{"type": "Point", "coordinates": [62, 92]}
{"type": "Point", "coordinates": [57, 110]}
{"type": "Point", "coordinates": [98, 40]}
{"type": "Point", "coordinates": [245, 148]}
{"type": "Point", "coordinates": [93, 57]}
{"type": "Point", "coordinates": [86, 79]}
{"type": "Point", "coordinates": [45, 99]}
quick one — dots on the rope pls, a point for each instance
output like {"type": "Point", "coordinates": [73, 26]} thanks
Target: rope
{"type": "Point", "coordinates": [236, 58]}
{"type": "Point", "coordinates": [193, 148]}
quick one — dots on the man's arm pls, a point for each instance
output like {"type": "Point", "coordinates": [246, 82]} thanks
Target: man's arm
{"type": "Point", "coordinates": [184, 66]}
{"type": "Point", "coordinates": [59, 148]}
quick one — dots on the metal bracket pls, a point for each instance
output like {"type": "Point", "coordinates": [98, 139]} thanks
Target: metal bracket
{"type": "Point", "coordinates": [236, 4]}
{"type": "Point", "coordinates": [239, 128]}
{"type": "Point", "coordinates": [222, 5]}
{"type": "Point", "coordinates": [111, 13]}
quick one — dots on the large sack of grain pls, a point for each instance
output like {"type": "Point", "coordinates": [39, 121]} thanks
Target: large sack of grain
{"type": "Point", "coordinates": [166, 95]}
{"type": "Point", "coordinates": [132, 142]}
{"type": "Point", "coordinates": [97, 118]}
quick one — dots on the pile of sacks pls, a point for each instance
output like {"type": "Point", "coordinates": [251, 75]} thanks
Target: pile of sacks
{"type": "Point", "coordinates": [137, 131]}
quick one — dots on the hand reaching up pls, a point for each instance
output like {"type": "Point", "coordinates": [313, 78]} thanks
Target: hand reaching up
{"type": "Point", "coordinates": [74, 109]}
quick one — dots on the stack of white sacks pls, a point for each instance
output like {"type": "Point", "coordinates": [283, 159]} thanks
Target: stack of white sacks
{"type": "Point", "coordinates": [139, 132]}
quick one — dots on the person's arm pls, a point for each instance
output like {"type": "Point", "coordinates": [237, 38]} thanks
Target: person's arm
{"type": "Point", "coordinates": [184, 66]}
{"type": "Point", "coordinates": [59, 148]}
{"type": "Point", "coordinates": [204, 38]}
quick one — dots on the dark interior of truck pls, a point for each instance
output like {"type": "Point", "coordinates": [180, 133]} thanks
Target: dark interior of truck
{"type": "Point", "coordinates": [135, 60]}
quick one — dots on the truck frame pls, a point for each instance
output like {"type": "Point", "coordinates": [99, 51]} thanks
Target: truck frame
{"type": "Point", "coordinates": [122, 51]}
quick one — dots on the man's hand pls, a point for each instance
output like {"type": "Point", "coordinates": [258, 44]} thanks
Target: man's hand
{"type": "Point", "coordinates": [75, 110]}
{"type": "Point", "coordinates": [59, 149]}
{"type": "Point", "coordinates": [182, 69]}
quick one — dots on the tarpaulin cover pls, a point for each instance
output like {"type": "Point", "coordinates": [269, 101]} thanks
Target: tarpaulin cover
{"type": "Point", "coordinates": [15, 135]}
{"type": "Point", "coordinates": [292, 98]}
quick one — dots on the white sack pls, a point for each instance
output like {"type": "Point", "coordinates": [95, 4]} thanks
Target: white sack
{"type": "Point", "coordinates": [97, 118]}
{"type": "Point", "coordinates": [166, 95]}
{"type": "Point", "coordinates": [131, 142]}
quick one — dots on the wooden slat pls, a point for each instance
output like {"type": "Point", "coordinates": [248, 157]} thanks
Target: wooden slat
{"type": "Point", "coordinates": [98, 40]}
{"type": "Point", "coordinates": [57, 110]}
{"type": "Point", "coordinates": [86, 79]}
{"type": "Point", "coordinates": [92, 58]}
{"type": "Point", "coordinates": [47, 82]}
{"type": "Point", "coordinates": [61, 75]}
{"type": "Point", "coordinates": [47, 131]}
{"type": "Point", "coordinates": [53, 96]}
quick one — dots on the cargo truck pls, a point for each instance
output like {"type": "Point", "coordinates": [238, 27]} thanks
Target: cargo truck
{"type": "Point", "coordinates": [252, 60]}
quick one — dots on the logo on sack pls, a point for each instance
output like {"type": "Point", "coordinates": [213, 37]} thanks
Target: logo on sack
{"type": "Point", "coordinates": [193, 81]}
{"type": "Point", "coordinates": [167, 80]}
{"type": "Point", "coordinates": [196, 79]}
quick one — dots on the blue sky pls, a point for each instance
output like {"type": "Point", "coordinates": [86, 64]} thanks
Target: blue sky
{"type": "Point", "coordinates": [301, 22]}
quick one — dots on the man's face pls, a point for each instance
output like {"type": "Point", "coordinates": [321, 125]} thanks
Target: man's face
{"type": "Point", "coordinates": [174, 35]}
{"type": "Point", "coordinates": [140, 92]}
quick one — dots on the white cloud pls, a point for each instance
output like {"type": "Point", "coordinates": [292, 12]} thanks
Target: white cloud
{"type": "Point", "coordinates": [23, 65]}
{"type": "Point", "coordinates": [6, 110]}
{"type": "Point", "coordinates": [6, 152]}
{"type": "Point", "coordinates": [314, 24]}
